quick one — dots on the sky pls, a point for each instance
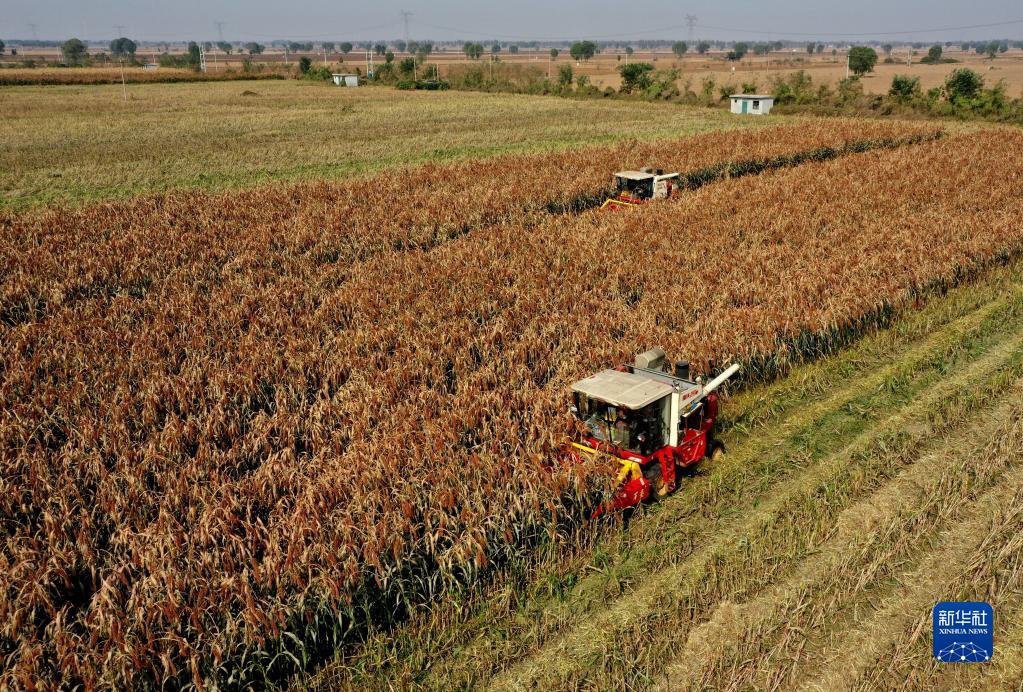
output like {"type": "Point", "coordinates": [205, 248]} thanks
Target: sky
{"type": "Point", "coordinates": [314, 20]}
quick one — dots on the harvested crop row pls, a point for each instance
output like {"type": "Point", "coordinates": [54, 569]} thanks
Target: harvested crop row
{"type": "Point", "coordinates": [314, 231]}
{"type": "Point", "coordinates": [192, 474]}
{"type": "Point", "coordinates": [112, 75]}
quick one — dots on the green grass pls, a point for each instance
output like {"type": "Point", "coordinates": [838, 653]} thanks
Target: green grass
{"type": "Point", "coordinates": [85, 143]}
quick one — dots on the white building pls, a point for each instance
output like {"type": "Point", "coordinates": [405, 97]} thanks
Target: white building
{"type": "Point", "coordinates": [752, 104]}
{"type": "Point", "coordinates": [351, 80]}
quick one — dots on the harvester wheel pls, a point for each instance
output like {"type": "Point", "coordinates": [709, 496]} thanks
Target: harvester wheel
{"type": "Point", "coordinates": [718, 453]}
{"type": "Point", "coordinates": [654, 475]}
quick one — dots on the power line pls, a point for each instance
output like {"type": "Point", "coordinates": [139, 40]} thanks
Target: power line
{"type": "Point", "coordinates": [664, 30]}
{"type": "Point", "coordinates": [332, 35]}
{"type": "Point", "coordinates": [865, 34]}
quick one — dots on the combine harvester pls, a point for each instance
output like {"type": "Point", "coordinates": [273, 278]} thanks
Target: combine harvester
{"type": "Point", "coordinates": [633, 188]}
{"type": "Point", "coordinates": [650, 421]}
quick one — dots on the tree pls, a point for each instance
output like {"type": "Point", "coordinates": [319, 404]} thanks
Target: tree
{"type": "Point", "coordinates": [820, 48]}
{"type": "Point", "coordinates": [407, 67]}
{"type": "Point", "coordinates": [963, 84]}
{"type": "Point", "coordinates": [74, 52]}
{"type": "Point", "coordinates": [400, 46]}
{"type": "Point", "coordinates": [346, 47]}
{"type": "Point", "coordinates": [761, 49]}
{"type": "Point", "coordinates": [555, 53]}
{"type": "Point", "coordinates": [565, 75]}
{"type": "Point", "coordinates": [583, 50]}
{"type": "Point", "coordinates": [388, 57]}
{"type": "Point", "coordinates": [122, 47]}
{"type": "Point", "coordinates": [679, 48]}
{"type": "Point", "coordinates": [933, 55]}
{"type": "Point", "coordinates": [495, 48]}
{"type": "Point", "coordinates": [904, 87]}
{"type": "Point", "coordinates": [327, 46]}
{"type": "Point", "coordinates": [304, 64]}
{"type": "Point", "coordinates": [862, 59]}
{"type": "Point", "coordinates": [2, 46]}
{"type": "Point", "coordinates": [194, 57]}
{"type": "Point", "coordinates": [635, 76]}
{"type": "Point", "coordinates": [473, 50]}
{"type": "Point", "coordinates": [629, 50]}
{"type": "Point", "coordinates": [513, 49]}
{"type": "Point", "coordinates": [887, 48]}
{"type": "Point", "coordinates": [224, 47]}
{"type": "Point", "coordinates": [702, 47]}
{"type": "Point", "coordinates": [380, 49]}
{"type": "Point", "coordinates": [254, 48]}
{"type": "Point", "coordinates": [738, 52]}
{"type": "Point", "coordinates": [810, 47]}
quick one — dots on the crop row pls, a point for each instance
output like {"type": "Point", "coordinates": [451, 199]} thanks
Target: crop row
{"type": "Point", "coordinates": [318, 229]}
{"type": "Point", "coordinates": [219, 474]}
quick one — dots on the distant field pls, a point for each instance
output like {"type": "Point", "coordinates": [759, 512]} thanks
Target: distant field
{"type": "Point", "coordinates": [72, 144]}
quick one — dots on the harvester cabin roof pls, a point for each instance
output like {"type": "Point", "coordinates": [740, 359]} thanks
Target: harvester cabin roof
{"type": "Point", "coordinates": [623, 388]}
{"type": "Point", "coordinates": [634, 175]}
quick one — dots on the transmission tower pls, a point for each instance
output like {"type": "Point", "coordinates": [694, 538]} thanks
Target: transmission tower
{"type": "Point", "coordinates": [691, 22]}
{"type": "Point", "coordinates": [32, 28]}
{"type": "Point", "coordinates": [120, 30]}
{"type": "Point", "coordinates": [220, 31]}
{"type": "Point", "coordinates": [405, 15]}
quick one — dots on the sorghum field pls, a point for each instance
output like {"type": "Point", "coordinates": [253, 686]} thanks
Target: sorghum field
{"type": "Point", "coordinates": [242, 430]}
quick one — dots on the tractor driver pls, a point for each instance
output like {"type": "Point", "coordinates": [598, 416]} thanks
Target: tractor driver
{"type": "Point", "coordinates": [620, 432]}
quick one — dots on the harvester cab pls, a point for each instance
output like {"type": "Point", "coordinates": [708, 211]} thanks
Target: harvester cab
{"type": "Point", "coordinates": [651, 421]}
{"type": "Point", "coordinates": [638, 187]}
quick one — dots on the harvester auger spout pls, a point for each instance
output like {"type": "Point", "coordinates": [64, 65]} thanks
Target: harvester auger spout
{"type": "Point", "coordinates": [651, 421]}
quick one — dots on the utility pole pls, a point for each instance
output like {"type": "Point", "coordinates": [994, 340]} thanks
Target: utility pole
{"type": "Point", "coordinates": [124, 88]}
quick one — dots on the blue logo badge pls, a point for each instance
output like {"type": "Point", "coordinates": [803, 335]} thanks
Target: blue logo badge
{"type": "Point", "coordinates": [964, 632]}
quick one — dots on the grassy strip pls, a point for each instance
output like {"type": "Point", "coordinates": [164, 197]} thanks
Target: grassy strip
{"type": "Point", "coordinates": [980, 559]}
{"type": "Point", "coordinates": [788, 527]}
{"type": "Point", "coordinates": [873, 539]}
{"type": "Point", "coordinates": [528, 610]}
